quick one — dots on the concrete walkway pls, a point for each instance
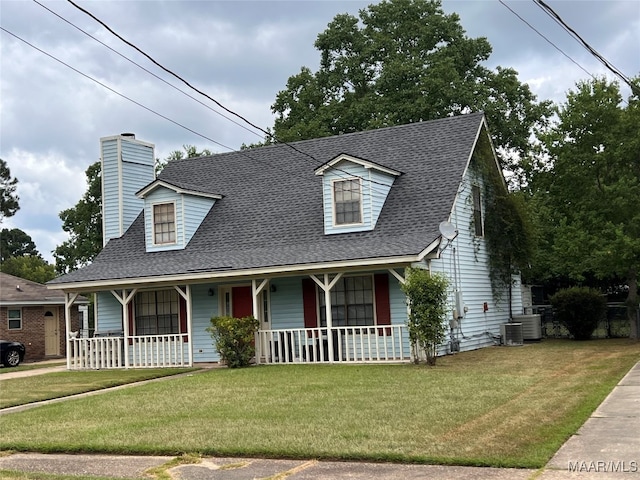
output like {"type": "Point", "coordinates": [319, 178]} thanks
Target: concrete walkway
{"type": "Point", "coordinates": [606, 447]}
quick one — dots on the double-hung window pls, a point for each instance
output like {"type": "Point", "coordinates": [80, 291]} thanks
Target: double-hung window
{"type": "Point", "coordinates": [157, 312]}
{"type": "Point", "coordinates": [351, 302]}
{"type": "Point", "coordinates": [14, 319]}
{"type": "Point", "coordinates": [164, 224]}
{"type": "Point", "coordinates": [347, 202]}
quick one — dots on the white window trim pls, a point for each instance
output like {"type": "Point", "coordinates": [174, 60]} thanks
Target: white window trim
{"type": "Point", "coordinates": [9, 319]}
{"type": "Point", "coordinates": [153, 223]}
{"type": "Point", "coordinates": [333, 203]}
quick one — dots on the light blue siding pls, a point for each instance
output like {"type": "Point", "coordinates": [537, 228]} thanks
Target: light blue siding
{"type": "Point", "coordinates": [286, 303]}
{"type": "Point", "coordinates": [190, 210]}
{"type": "Point", "coordinates": [465, 263]}
{"type": "Point", "coordinates": [163, 195]}
{"type": "Point", "coordinates": [127, 166]}
{"type": "Point", "coordinates": [204, 307]}
{"type": "Point", "coordinates": [110, 194]}
{"type": "Point", "coordinates": [375, 187]}
{"type": "Point", "coordinates": [108, 312]}
{"type": "Point", "coordinates": [380, 186]}
{"type": "Point", "coordinates": [195, 209]}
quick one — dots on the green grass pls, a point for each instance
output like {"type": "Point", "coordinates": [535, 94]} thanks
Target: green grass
{"type": "Point", "coordinates": [20, 391]}
{"type": "Point", "coordinates": [506, 406]}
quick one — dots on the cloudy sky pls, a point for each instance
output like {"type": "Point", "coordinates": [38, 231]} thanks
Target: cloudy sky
{"type": "Point", "coordinates": [53, 112]}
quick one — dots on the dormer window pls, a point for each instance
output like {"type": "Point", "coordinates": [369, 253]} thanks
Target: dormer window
{"type": "Point", "coordinates": [347, 202]}
{"type": "Point", "coordinates": [164, 223]}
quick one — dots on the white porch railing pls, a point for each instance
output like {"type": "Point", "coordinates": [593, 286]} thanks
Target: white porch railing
{"type": "Point", "coordinates": [145, 351]}
{"type": "Point", "coordinates": [389, 343]}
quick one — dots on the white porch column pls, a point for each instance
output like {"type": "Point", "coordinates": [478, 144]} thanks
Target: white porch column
{"type": "Point", "coordinates": [326, 286]}
{"type": "Point", "coordinates": [125, 300]}
{"type": "Point", "coordinates": [261, 348]}
{"type": "Point", "coordinates": [255, 291]}
{"type": "Point", "coordinates": [188, 299]}
{"type": "Point", "coordinates": [69, 298]}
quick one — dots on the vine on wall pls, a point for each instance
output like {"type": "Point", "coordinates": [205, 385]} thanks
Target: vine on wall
{"type": "Point", "coordinates": [508, 231]}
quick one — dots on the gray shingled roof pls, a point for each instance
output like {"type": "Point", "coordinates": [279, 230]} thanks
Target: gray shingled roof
{"type": "Point", "coordinates": [271, 214]}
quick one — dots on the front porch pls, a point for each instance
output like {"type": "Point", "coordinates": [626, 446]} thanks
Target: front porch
{"type": "Point", "coordinates": [299, 345]}
{"type": "Point", "coordinates": [367, 344]}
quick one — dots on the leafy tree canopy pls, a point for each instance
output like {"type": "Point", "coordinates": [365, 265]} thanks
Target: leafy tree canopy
{"type": "Point", "coordinates": [30, 267]}
{"type": "Point", "coordinates": [587, 194]}
{"type": "Point", "coordinates": [404, 61]}
{"type": "Point", "coordinates": [8, 199]}
{"type": "Point", "coordinates": [16, 243]}
{"type": "Point", "coordinates": [190, 151]}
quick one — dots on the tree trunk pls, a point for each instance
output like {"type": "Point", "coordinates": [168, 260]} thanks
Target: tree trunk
{"type": "Point", "coordinates": [632, 303]}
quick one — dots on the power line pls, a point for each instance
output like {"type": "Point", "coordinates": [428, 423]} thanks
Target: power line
{"type": "Point", "coordinates": [166, 69]}
{"type": "Point", "coordinates": [558, 19]}
{"type": "Point", "coordinates": [114, 91]}
{"type": "Point", "coordinates": [144, 69]}
{"type": "Point", "coordinates": [242, 152]}
{"type": "Point", "coordinates": [169, 71]}
{"type": "Point", "coordinates": [548, 41]}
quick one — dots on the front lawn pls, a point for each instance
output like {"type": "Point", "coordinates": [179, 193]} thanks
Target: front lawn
{"type": "Point", "coordinates": [20, 391]}
{"type": "Point", "coordinates": [502, 406]}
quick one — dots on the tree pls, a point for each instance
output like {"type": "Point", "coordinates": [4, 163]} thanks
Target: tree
{"type": "Point", "coordinates": [190, 151]}
{"type": "Point", "coordinates": [427, 297]}
{"type": "Point", "coordinates": [405, 61]}
{"type": "Point", "coordinates": [16, 243]}
{"type": "Point", "coordinates": [83, 223]}
{"type": "Point", "coordinates": [588, 191]}
{"type": "Point", "coordinates": [29, 267]}
{"type": "Point", "coordinates": [8, 198]}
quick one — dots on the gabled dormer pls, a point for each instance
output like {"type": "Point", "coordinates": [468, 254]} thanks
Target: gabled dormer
{"type": "Point", "coordinates": [354, 191]}
{"type": "Point", "coordinates": [172, 214]}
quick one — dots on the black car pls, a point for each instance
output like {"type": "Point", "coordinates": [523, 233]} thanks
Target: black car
{"type": "Point", "coordinates": [11, 353]}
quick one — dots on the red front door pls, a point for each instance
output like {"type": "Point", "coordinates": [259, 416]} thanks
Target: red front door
{"type": "Point", "coordinates": [241, 302]}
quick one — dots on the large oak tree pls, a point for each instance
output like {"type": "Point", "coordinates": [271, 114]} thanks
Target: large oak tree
{"type": "Point", "coordinates": [404, 61]}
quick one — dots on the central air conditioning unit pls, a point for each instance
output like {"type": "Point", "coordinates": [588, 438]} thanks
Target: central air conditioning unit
{"type": "Point", "coordinates": [511, 334]}
{"type": "Point", "coordinates": [531, 326]}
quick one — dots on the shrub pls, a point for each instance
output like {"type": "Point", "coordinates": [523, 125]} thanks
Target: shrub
{"type": "Point", "coordinates": [427, 297]}
{"type": "Point", "coordinates": [579, 309]}
{"type": "Point", "coordinates": [234, 339]}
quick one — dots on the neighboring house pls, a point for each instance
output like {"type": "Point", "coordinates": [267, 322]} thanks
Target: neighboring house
{"type": "Point", "coordinates": [311, 237]}
{"type": "Point", "coordinates": [34, 315]}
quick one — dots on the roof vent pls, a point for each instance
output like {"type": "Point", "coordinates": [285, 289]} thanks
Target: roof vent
{"type": "Point", "coordinates": [128, 135]}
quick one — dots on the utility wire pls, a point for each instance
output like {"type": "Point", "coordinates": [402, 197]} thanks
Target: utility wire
{"type": "Point", "coordinates": [266, 132]}
{"type": "Point", "coordinates": [114, 91]}
{"type": "Point", "coordinates": [166, 69]}
{"type": "Point", "coordinates": [558, 19]}
{"type": "Point", "coordinates": [242, 152]}
{"type": "Point", "coordinates": [548, 41]}
{"type": "Point", "coordinates": [146, 70]}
